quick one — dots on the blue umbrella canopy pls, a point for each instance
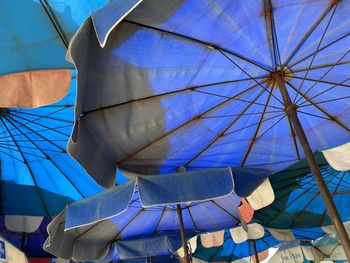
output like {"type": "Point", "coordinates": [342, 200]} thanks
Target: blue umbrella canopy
{"type": "Point", "coordinates": [298, 201]}
{"type": "Point", "coordinates": [231, 251]}
{"type": "Point", "coordinates": [147, 205]}
{"type": "Point", "coordinates": [38, 177]}
{"type": "Point", "coordinates": [35, 35]}
{"type": "Point", "coordinates": [204, 92]}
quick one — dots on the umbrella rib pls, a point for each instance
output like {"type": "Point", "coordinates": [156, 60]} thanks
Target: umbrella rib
{"type": "Point", "coordinates": [170, 93]}
{"type": "Point", "coordinates": [314, 115]}
{"type": "Point", "coordinates": [245, 72]}
{"type": "Point", "coordinates": [252, 141]}
{"type": "Point", "coordinates": [294, 138]}
{"type": "Point", "coordinates": [268, 24]}
{"type": "Point", "coordinates": [37, 134]}
{"type": "Point", "coordinates": [16, 150]}
{"type": "Point", "coordinates": [319, 108]}
{"type": "Point", "coordinates": [322, 48]}
{"type": "Point", "coordinates": [186, 123]}
{"type": "Point", "coordinates": [41, 117]}
{"type": "Point", "coordinates": [54, 21]}
{"type": "Point", "coordinates": [198, 42]}
{"type": "Point", "coordinates": [8, 144]}
{"type": "Point", "coordinates": [194, 223]}
{"type": "Point", "coordinates": [324, 101]}
{"type": "Point", "coordinates": [324, 81]}
{"type": "Point", "coordinates": [237, 99]}
{"type": "Point", "coordinates": [323, 75]}
{"type": "Point", "coordinates": [41, 125]}
{"type": "Point", "coordinates": [310, 31]}
{"type": "Point", "coordinates": [256, 123]}
{"type": "Point", "coordinates": [314, 56]}
{"type": "Point", "coordinates": [38, 190]}
{"type": "Point", "coordinates": [235, 115]}
{"type": "Point", "coordinates": [12, 156]}
{"type": "Point", "coordinates": [127, 224]}
{"type": "Point", "coordinates": [321, 66]}
{"type": "Point", "coordinates": [319, 94]}
{"type": "Point", "coordinates": [273, 125]}
{"type": "Point", "coordinates": [160, 219]}
{"type": "Point", "coordinates": [225, 210]}
{"type": "Point", "coordinates": [221, 134]}
{"type": "Point", "coordinates": [37, 115]}
{"type": "Point", "coordinates": [271, 32]}
{"type": "Point", "coordinates": [52, 161]}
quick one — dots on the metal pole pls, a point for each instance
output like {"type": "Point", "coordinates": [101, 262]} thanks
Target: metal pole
{"type": "Point", "coordinates": [182, 231]}
{"type": "Point", "coordinates": [291, 111]}
{"type": "Point", "coordinates": [255, 252]}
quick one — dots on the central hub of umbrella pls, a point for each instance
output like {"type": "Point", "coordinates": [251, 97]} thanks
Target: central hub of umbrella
{"type": "Point", "coordinates": [272, 78]}
{"type": "Point", "coordinates": [3, 111]}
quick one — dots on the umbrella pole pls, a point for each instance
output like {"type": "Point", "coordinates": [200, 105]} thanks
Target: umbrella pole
{"type": "Point", "coordinates": [255, 252]}
{"type": "Point", "coordinates": [182, 231]}
{"type": "Point", "coordinates": [23, 238]}
{"type": "Point", "coordinates": [291, 111]}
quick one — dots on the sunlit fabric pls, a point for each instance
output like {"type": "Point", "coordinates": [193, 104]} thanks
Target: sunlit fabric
{"type": "Point", "coordinates": [34, 40]}
{"type": "Point", "coordinates": [192, 83]}
{"type": "Point", "coordinates": [231, 251]}
{"type": "Point", "coordinates": [86, 228]}
{"type": "Point", "coordinates": [38, 177]}
{"type": "Point", "coordinates": [298, 202]}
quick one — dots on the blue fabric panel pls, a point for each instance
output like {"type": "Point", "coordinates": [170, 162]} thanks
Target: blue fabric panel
{"type": "Point", "coordinates": [247, 179]}
{"type": "Point", "coordinates": [106, 18]}
{"type": "Point", "coordinates": [185, 186]}
{"type": "Point", "coordinates": [100, 206]}
{"type": "Point", "coordinates": [160, 244]}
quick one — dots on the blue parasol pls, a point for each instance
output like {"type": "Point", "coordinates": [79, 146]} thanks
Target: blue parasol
{"type": "Point", "coordinates": [165, 84]}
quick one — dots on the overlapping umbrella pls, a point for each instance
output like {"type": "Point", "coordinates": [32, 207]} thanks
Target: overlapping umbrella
{"type": "Point", "coordinates": [298, 202]}
{"type": "Point", "coordinates": [38, 177]}
{"type": "Point", "coordinates": [246, 84]}
{"type": "Point", "coordinates": [231, 250]}
{"type": "Point", "coordinates": [185, 201]}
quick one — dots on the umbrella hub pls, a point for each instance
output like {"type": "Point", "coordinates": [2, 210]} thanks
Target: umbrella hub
{"type": "Point", "coordinates": [3, 111]}
{"type": "Point", "coordinates": [272, 78]}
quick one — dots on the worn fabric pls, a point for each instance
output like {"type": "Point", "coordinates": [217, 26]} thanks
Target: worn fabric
{"type": "Point", "coordinates": [163, 93]}
{"type": "Point", "coordinates": [144, 206]}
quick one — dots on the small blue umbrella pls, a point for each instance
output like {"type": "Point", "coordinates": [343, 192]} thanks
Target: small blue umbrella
{"type": "Point", "coordinates": [38, 177]}
{"type": "Point", "coordinates": [251, 83]}
{"type": "Point", "coordinates": [185, 201]}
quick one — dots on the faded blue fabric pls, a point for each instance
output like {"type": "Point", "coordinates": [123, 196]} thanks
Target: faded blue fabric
{"type": "Point", "coordinates": [35, 33]}
{"type": "Point", "coordinates": [38, 177]}
{"type": "Point", "coordinates": [187, 83]}
{"type": "Point", "coordinates": [185, 187]}
{"type": "Point", "coordinates": [166, 190]}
